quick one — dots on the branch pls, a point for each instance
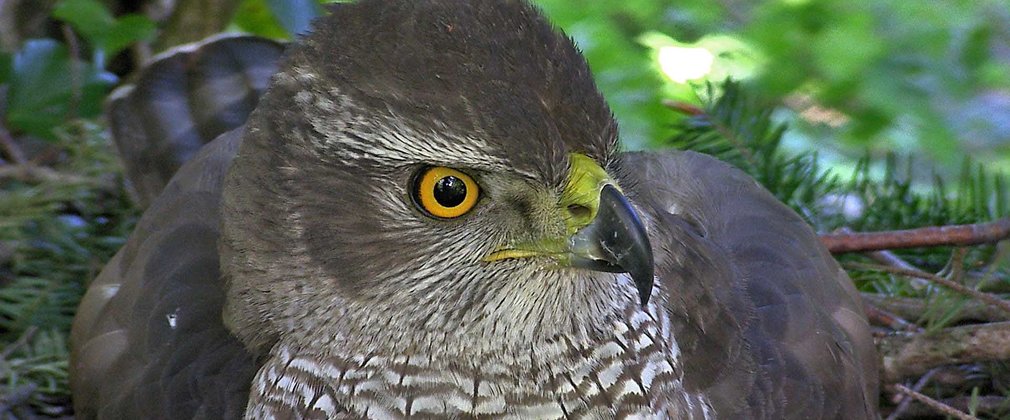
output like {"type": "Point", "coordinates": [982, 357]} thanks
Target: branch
{"type": "Point", "coordinates": [11, 147]}
{"type": "Point", "coordinates": [992, 406]}
{"type": "Point", "coordinates": [904, 400]}
{"type": "Point", "coordinates": [931, 403]}
{"type": "Point", "coordinates": [907, 355]}
{"type": "Point", "coordinates": [891, 259]}
{"type": "Point", "coordinates": [955, 235]}
{"type": "Point", "coordinates": [990, 299]}
{"type": "Point", "coordinates": [33, 173]}
{"type": "Point", "coordinates": [878, 316]}
{"type": "Point", "coordinates": [914, 308]}
{"type": "Point", "coordinates": [76, 92]}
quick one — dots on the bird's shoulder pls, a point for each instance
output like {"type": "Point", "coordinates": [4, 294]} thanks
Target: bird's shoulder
{"type": "Point", "coordinates": [148, 337]}
{"type": "Point", "coordinates": [757, 274]}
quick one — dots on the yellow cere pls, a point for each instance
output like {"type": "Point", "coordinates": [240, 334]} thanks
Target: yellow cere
{"type": "Point", "coordinates": [446, 193]}
{"type": "Point", "coordinates": [585, 180]}
{"type": "Point", "coordinates": [579, 203]}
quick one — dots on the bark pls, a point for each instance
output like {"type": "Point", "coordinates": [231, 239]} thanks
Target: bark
{"type": "Point", "coordinates": [955, 235]}
{"type": "Point", "coordinates": [908, 355]}
{"type": "Point", "coordinates": [912, 309]}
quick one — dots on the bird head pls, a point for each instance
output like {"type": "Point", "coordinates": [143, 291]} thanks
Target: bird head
{"type": "Point", "coordinates": [430, 173]}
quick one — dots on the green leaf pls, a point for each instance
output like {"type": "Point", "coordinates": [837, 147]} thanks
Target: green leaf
{"type": "Point", "coordinates": [6, 61]}
{"type": "Point", "coordinates": [254, 17]}
{"type": "Point", "coordinates": [42, 82]}
{"type": "Point", "coordinates": [89, 17]}
{"type": "Point", "coordinates": [846, 49]}
{"type": "Point", "coordinates": [127, 30]}
{"type": "Point", "coordinates": [106, 34]}
{"type": "Point", "coordinates": [975, 50]}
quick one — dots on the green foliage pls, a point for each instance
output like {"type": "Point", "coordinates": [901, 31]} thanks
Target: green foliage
{"type": "Point", "coordinates": [45, 87]}
{"type": "Point", "coordinates": [60, 233]}
{"type": "Point", "coordinates": [607, 33]}
{"type": "Point", "coordinates": [928, 78]}
{"type": "Point", "coordinates": [35, 368]}
{"type": "Point", "coordinates": [739, 129]}
{"type": "Point", "coordinates": [106, 34]}
{"type": "Point", "coordinates": [47, 83]}
{"type": "Point", "coordinates": [901, 65]}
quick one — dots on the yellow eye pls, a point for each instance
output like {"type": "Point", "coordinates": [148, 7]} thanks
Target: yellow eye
{"type": "Point", "coordinates": [445, 192]}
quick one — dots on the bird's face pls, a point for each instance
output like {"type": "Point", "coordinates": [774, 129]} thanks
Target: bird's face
{"type": "Point", "coordinates": [464, 199]}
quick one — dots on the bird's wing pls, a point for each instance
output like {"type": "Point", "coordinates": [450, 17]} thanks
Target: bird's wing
{"type": "Point", "coordinates": [148, 340]}
{"type": "Point", "coordinates": [184, 99]}
{"type": "Point", "coordinates": [129, 358]}
{"type": "Point", "coordinates": [769, 325]}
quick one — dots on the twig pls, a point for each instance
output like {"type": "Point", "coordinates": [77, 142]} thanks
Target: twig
{"type": "Point", "coordinates": [141, 54]}
{"type": "Point", "coordinates": [955, 235]}
{"type": "Point", "coordinates": [890, 258]}
{"type": "Point", "coordinates": [19, 343]}
{"type": "Point", "coordinates": [11, 147]}
{"type": "Point", "coordinates": [957, 287]}
{"type": "Point", "coordinates": [904, 400]}
{"type": "Point", "coordinates": [879, 316]}
{"type": "Point", "coordinates": [906, 355]}
{"type": "Point", "coordinates": [954, 270]}
{"type": "Point", "coordinates": [913, 308]}
{"type": "Point", "coordinates": [992, 406]}
{"type": "Point", "coordinates": [32, 173]}
{"type": "Point", "coordinates": [934, 404]}
{"type": "Point", "coordinates": [683, 107]}
{"type": "Point", "coordinates": [75, 71]}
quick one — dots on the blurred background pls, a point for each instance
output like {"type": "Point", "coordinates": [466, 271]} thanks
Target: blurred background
{"type": "Point", "coordinates": [925, 78]}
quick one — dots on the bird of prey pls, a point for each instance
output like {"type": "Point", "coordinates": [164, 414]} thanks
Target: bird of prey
{"type": "Point", "coordinates": [427, 214]}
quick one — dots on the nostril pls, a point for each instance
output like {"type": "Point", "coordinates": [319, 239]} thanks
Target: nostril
{"type": "Point", "coordinates": [579, 211]}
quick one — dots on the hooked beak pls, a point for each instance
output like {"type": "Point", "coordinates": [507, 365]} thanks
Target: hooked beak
{"type": "Point", "coordinates": [606, 235]}
{"type": "Point", "coordinates": [615, 241]}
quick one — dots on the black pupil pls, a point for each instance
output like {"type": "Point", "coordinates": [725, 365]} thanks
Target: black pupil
{"type": "Point", "coordinates": [450, 191]}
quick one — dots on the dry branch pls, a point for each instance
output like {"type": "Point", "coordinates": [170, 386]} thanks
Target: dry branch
{"type": "Point", "coordinates": [907, 355]}
{"type": "Point", "coordinates": [905, 400]}
{"type": "Point", "coordinates": [936, 406]}
{"type": "Point", "coordinates": [32, 173]}
{"type": "Point", "coordinates": [990, 299]}
{"type": "Point", "coordinates": [914, 308]}
{"type": "Point", "coordinates": [956, 235]}
{"type": "Point", "coordinates": [991, 406]}
{"type": "Point", "coordinates": [10, 147]}
{"type": "Point", "coordinates": [878, 316]}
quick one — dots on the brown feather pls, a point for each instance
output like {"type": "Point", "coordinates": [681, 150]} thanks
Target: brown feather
{"type": "Point", "coordinates": [772, 325]}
